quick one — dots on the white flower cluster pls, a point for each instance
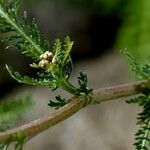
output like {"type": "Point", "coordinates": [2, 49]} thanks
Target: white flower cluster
{"type": "Point", "coordinates": [46, 58]}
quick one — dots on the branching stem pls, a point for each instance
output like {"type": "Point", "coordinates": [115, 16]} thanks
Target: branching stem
{"type": "Point", "coordinates": [76, 103]}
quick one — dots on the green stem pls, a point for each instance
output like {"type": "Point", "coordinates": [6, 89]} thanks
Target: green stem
{"type": "Point", "coordinates": [68, 86]}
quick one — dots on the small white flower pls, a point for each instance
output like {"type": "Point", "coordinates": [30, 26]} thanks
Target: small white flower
{"type": "Point", "coordinates": [43, 63]}
{"type": "Point", "coordinates": [34, 65]}
{"type": "Point", "coordinates": [41, 57]}
{"type": "Point", "coordinates": [54, 60]}
{"type": "Point", "coordinates": [47, 56]}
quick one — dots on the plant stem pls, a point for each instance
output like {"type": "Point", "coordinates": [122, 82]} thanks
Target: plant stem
{"type": "Point", "coordinates": [105, 94]}
{"type": "Point", "coordinates": [76, 103]}
{"type": "Point", "coordinates": [68, 86]}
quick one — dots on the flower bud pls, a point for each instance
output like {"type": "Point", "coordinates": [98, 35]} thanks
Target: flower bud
{"type": "Point", "coordinates": [43, 63]}
{"type": "Point", "coordinates": [47, 56]}
{"type": "Point", "coordinates": [54, 60]}
{"type": "Point", "coordinates": [41, 57]}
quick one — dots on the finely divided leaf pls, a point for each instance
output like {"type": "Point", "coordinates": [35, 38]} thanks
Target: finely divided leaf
{"type": "Point", "coordinates": [67, 48]}
{"type": "Point", "coordinates": [58, 103]}
{"type": "Point", "coordinates": [83, 87]}
{"type": "Point", "coordinates": [28, 80]}
{"type": "Point", "coordinates": [26, 37]}
{"type": "Point", "coordinates": [143, 135]}
{"type": "Point", "coordinates": [139, 72]}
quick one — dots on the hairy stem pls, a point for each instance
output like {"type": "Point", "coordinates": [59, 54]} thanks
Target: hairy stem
{"type": "Point", "coordinates": [76, 103]}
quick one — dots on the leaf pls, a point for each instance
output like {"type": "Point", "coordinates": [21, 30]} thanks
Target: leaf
{"type": "Point", "coordinates": [27, 80]}
{"type": "Point", "coordinates": [27, 36]}
{"type": "Point", "coordinates": [58, 52]}
{"type": "Point", "coordinates": [82, 81]}
{"type": "Point", "coordinates": [138, 70]}
{"type": "Point", "coordinates": [68, 68]}
{"type": "Point", "coordinates": [58, 103]}
{"type": "Point", "coordinates": [142, 136]}
{"type": "Point", "coordinates": [142, 139]}
{"type": "Point", "coordinates": [67, 48]}
{"type": "Point", "coordinates": [146, 70]}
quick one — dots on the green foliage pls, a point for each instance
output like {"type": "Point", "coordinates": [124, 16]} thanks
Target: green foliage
{"type": "Point", "coordinates": [27, 80]}
{"type": "Point", "coordinates": [142, 72]}
{"type": "Point", "coordinates": [53, 73]}
{"type": "Point", "coordinates": [82, 81]}
{"type": "Point", "coordinates": [81, 90]}
{"type": "Point", "coordinates": [143, 134]}
{"type": "Point", "coordinates": [53, 65]}
{"type": "Point", "coordinates": [18, 33]}
{"type": "Point", "coordinates": [146, 70]}
{"type": "Point", "coordinates": [59, 102]}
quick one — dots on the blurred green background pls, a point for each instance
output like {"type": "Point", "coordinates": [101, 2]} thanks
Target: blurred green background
{"type": "Point", "coordinates": [100, 29]}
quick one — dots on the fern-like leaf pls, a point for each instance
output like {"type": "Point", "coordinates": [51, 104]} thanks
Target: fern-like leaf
{"type": "Point", "coordinates": [56, 64]}
{"type": "Point", "coordinates": [138, 70]}
{"type": "Point", "coordinates": [21, 35]}
{"type": "Point", "coordinates": [143, 135]}
{"type": "Point", "coordinates": [58, 103]}
{"type": "Point", "coordinates": [83, 87]}
{"type": "Point", "coordinates": [28, 80]}
{"type": "Point", "coordinates": [67, 48]}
